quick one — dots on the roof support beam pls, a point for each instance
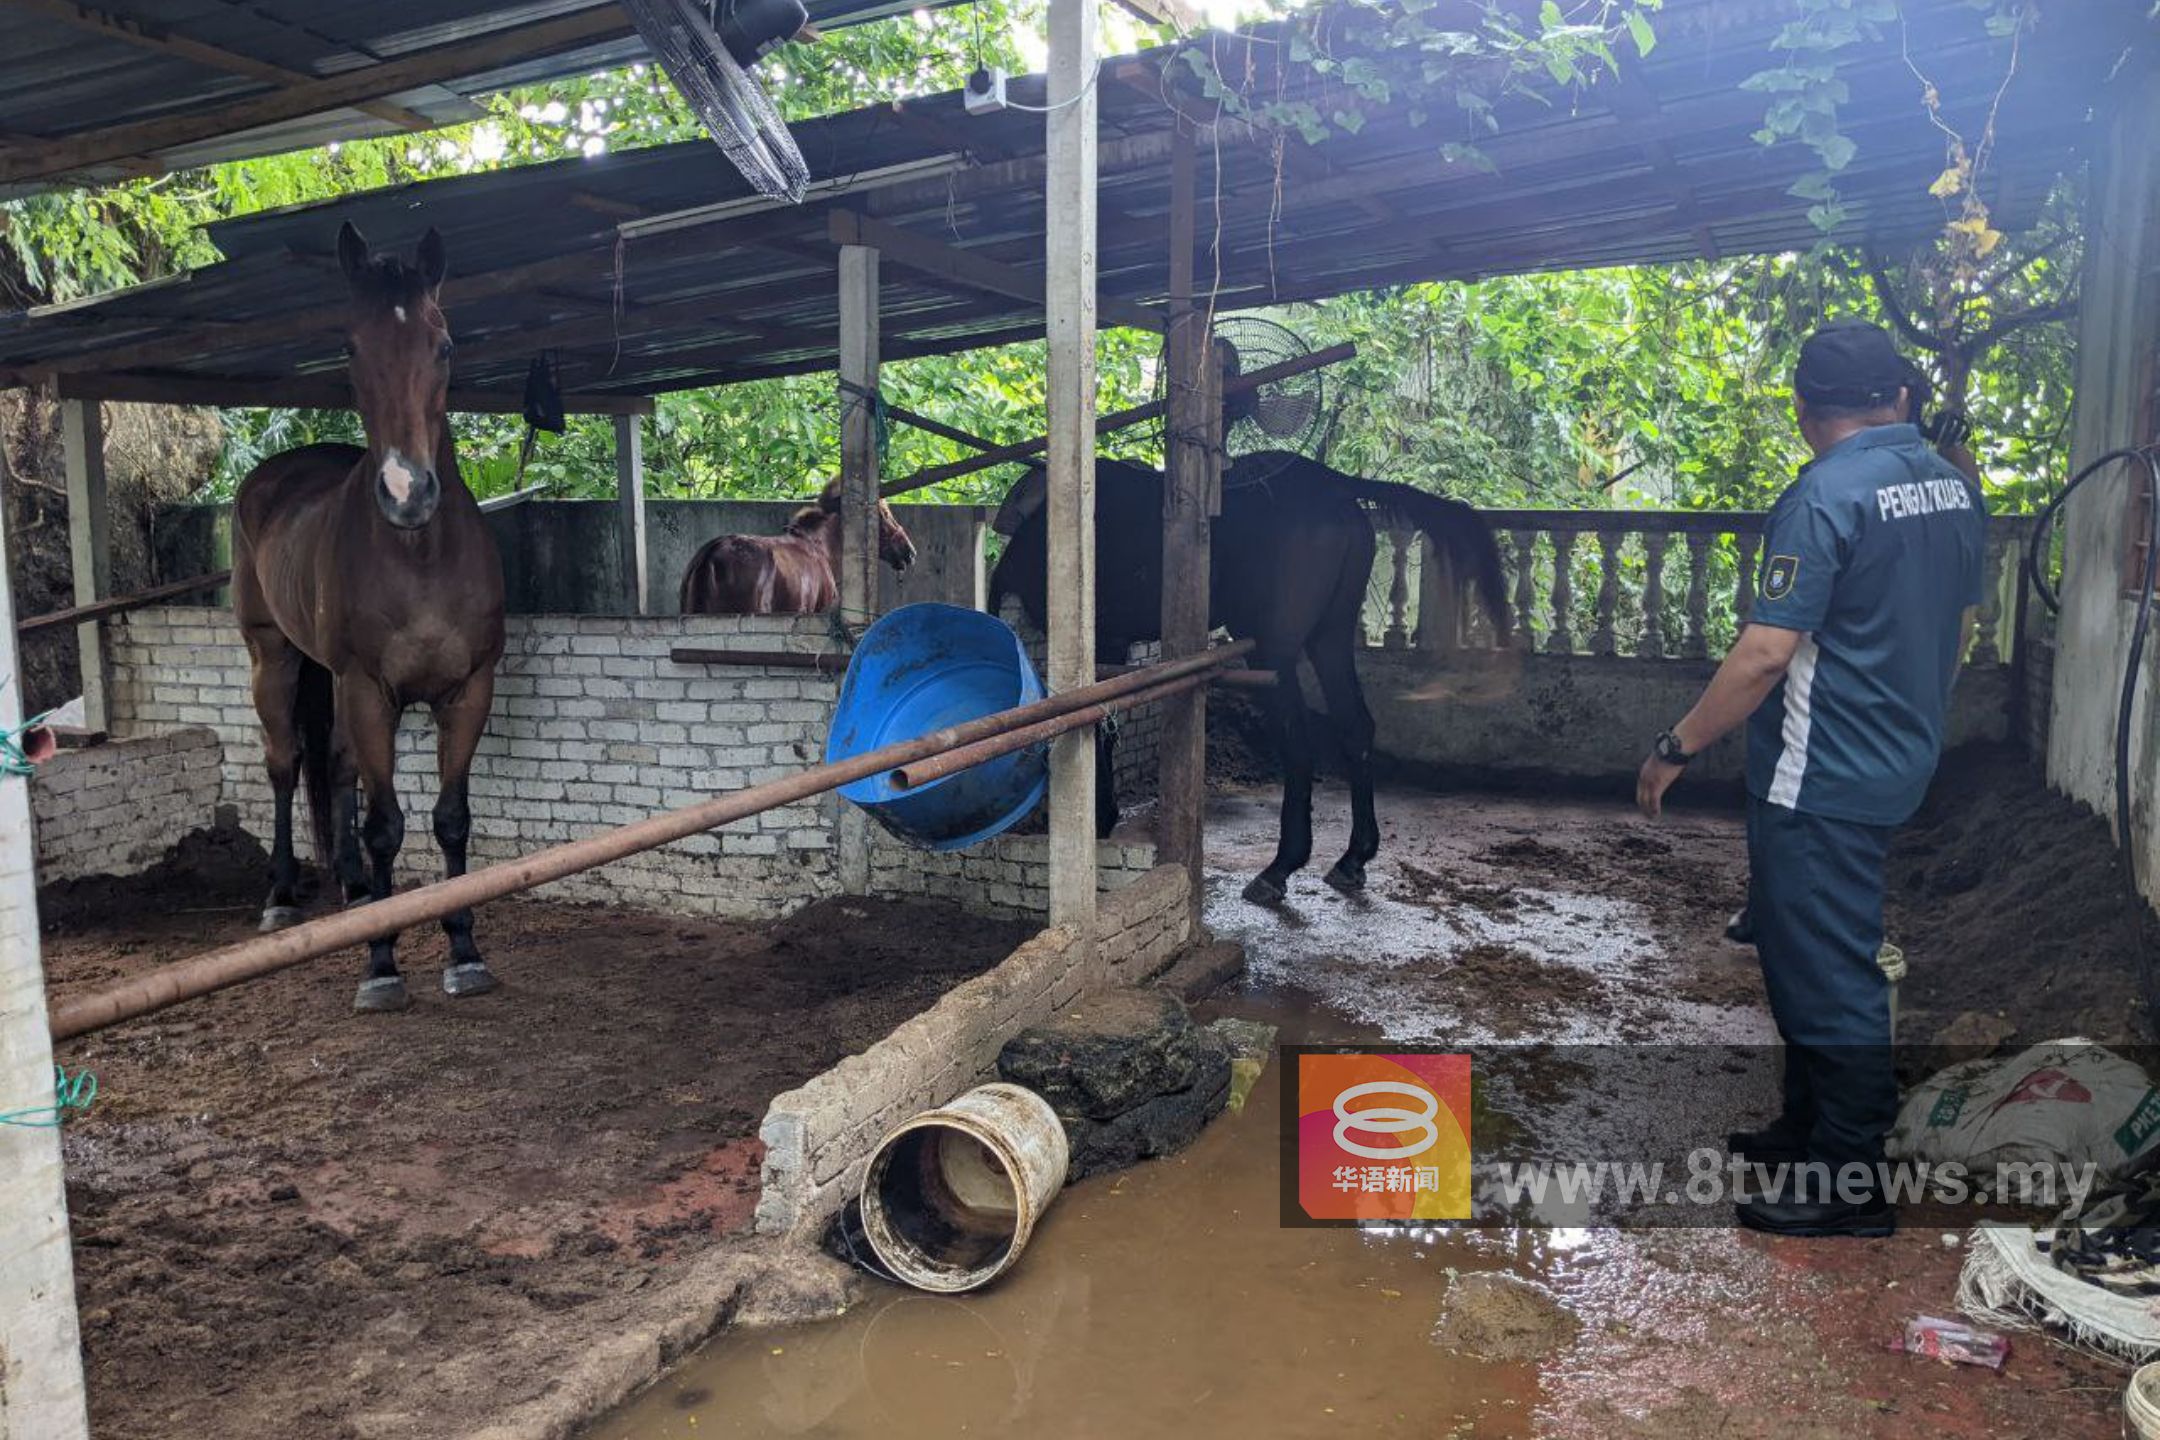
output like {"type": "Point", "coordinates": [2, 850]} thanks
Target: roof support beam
{"type": "Point", "coordinates": [312, 395]}
{"type": "Point", "coordinates": [146, 36]}
{"type": "Point", "coordinates": [954, 266]}
{"type": "Point", "coordinates": [316, 97]}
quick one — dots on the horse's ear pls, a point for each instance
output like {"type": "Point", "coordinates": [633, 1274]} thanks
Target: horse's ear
{"type": "Point", "coordinates": [434, 263]}
{"type": "Point", "coordinates": [352, 253]}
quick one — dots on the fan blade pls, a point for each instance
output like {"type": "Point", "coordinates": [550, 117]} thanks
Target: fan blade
{"type": "Point", "coordinates": [732, 106]}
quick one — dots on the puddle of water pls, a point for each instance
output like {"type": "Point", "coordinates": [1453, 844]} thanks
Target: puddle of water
{"type": "Point", "coordinates": [1163, 1300]}
{"type": "Point", "coordinates": [1167, 1300]}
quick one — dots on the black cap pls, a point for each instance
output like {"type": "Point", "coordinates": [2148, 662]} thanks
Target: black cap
{"type": "Point", "coordinates": [1851, 363]}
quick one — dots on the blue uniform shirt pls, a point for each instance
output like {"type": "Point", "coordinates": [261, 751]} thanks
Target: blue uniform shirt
{"type": "Point", "coordinates": [1874, 552]}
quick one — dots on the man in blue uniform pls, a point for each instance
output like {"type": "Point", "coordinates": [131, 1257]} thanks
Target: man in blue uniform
{"type": "Point", "coordinates": [1871, 566]}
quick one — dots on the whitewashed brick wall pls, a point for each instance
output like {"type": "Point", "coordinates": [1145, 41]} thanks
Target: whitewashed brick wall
{"type": "Point", "coordinates": [819, 1136]}
{"type": "Point", "coordinates": [117, 808]}
{"type": "Point", "coordinates": [594, 727]}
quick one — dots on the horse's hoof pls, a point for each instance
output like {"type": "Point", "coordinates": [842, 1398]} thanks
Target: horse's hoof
{"type": "Point", "coordinates": [471, 978]}
{"type": "Point", "coordinates": [279, 917]}
{"type": "Point", "coordinates": [382, 995]}
{"type": "Point", "coordinates": [1263, 891]}
{"type": "Point", "coordinates": [1348, 882]}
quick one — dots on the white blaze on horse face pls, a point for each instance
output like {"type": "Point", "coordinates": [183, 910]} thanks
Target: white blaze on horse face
{"type": "Point", "coordinates": [398, 476]}
{"type": "Point", "coordinates": [399, 311]}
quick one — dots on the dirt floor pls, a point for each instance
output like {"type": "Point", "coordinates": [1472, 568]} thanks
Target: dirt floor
{"type": "Point", "coordinates": [290, 1220]}
{"type": "Point", "coordinates": [1556, 940]}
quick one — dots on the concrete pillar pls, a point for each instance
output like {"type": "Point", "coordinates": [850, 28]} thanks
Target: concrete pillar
{"type": "Point", "coordinates": [630, 496]}
{"type": "Point", "coordinates": [41, 1380]}
{"type": "Point", "coordinates": [860, 477]}
{"type": "Point", "coordinates": [82, 438]}
{"type": "Point", "coordinates": [1069, 301]}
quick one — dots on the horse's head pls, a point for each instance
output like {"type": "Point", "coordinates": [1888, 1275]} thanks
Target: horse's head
{"type": "Point", "coordinates": [400, 350]}
{"type": "Point", "coordinates": [894, 547]}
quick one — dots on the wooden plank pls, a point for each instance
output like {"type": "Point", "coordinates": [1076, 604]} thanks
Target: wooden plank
{"type": "Point", "coordinates": [144, 35]}
{"type": "Point", "coordinates": [630, 511]}
{"type": "Point", "coordinates": [82, 439]}
{"type": "Point", "coordinates": [40, 1344]}
{"type": "Point", "coordinates": [1193, 463]}
{"type": "Point", "coordinates": [1180, 15]}
{"type": "Point", "coordinates": [961, 267]}
{"type": "Point", "coordinates": [1069, 305]}
{"type": "Point", "coordinates": [241, 392]}
{"type": "Point", "coordinates": [336, 92]}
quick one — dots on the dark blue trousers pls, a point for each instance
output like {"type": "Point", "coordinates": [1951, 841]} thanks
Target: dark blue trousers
{"type": "Point", "coordinates": [1815, 893]}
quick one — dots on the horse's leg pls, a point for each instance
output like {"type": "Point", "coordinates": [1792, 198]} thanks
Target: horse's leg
{"type": "Point", "coordinates": [1293, 846]}
{"type": "Point", "coordinates": [1335, 664]}
{"type": "Point", "coordinates": [368, 718]}
{"type": "Point", "coordinates": [458, 724]}
{"type": "Point", "coordinates": [1106, 806]}
{"type": "Point", "coordinates": [277, 692]}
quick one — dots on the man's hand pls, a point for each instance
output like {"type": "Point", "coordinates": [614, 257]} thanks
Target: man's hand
{"type": "Point", "coordinates": [1650, 786]}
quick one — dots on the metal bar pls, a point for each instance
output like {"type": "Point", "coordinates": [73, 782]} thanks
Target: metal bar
{"type": "Point", "coordinates": [1116, 420]}
{"type": "Point", "coordinates": [121, 604]}
{"type": "Point", "coordinates": [952, 762]}
{"type": "Point", "coordinates": [266, 954]}
{"type": "Point", "coordinates": [825, 662]}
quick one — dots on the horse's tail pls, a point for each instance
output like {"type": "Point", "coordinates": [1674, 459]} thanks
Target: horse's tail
{"type": "Point", "coordinates": [1456, 530]}
{"type": "Point", "coordinates": [314, 711]}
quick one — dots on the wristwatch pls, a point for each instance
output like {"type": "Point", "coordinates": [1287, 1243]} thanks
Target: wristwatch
{"type": "Point", "coordinates": [1669, 749]}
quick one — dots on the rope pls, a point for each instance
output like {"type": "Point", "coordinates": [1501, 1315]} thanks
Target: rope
{"type": "Point", "coordinates": [880, 421]}
{"type": "Point", "coordinates": [68, 1094]}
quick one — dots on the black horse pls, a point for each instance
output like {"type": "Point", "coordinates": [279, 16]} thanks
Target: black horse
{"type": "Point", "coordinates": [1290, 557]}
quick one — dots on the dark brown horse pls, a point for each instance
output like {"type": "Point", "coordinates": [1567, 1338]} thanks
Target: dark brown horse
{"type": "Point", "coordinates": [796, 573]}
{"type": "Point", "coordinates": [366, 581]}
{"type": "Point", "coordinates": [1289, 560]}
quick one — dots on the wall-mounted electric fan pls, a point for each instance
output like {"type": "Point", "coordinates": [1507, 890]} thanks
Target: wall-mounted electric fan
{"type": "Point", "coordinates": [708, 48]}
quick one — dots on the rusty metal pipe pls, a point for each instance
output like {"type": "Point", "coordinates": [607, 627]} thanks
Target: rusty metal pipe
{"type": "Point", "coordinates": [266, 954]}
{"type": "Point", "coordinates": [919, 773]}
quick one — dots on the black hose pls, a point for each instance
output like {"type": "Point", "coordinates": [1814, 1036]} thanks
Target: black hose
{"type": "Point", "coordinates": [2035, 571]}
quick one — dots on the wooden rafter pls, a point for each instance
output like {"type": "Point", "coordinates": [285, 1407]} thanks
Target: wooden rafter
{"type": "Point", "coordinates": [313, 395]}
{"type": "Point", "coordinates": [318, 96]}
{"type": "Point", "coordinates": [966, 269]}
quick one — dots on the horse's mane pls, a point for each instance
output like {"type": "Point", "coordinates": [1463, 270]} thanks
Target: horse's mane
{"type": "Point", "coordinates": [809, 520]}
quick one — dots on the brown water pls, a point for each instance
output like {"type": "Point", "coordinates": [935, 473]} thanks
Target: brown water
{"type": "Point", "coordinates": [1165, 1300]}
{"type": "Point", "coordinates": [1168, 1300]}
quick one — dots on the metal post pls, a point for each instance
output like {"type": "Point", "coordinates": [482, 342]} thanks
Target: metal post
{"type": "Point", "coordinates": [859, 477]}
{"type": "Point", "coordinates": [82, 436]}
{"type": "Point", "coordinates": [41, 1380]}
{"type": "Point", "coordinates": [1069, 303]}
{"type": "Point", "coordinates": [630, 496]}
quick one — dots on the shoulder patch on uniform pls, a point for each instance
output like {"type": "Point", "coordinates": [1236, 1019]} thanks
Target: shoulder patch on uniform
{"type": "Point", "coordinates": [1779, 572]}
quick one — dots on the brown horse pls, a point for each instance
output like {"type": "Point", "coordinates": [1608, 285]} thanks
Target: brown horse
{"type": "Point", "coordinates": [366, 581]}
{"type": "Point", "coordinates": [796, 573]}
{"type": "Point", "coordinates": [1289, 559]}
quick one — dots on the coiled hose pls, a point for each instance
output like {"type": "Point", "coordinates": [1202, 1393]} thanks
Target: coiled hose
{"type": "Point", "coordinates": [2036, 550]}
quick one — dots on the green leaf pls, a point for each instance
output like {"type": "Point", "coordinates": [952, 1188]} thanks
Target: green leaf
{"type": "Point", "coordinates": [1639, 28]}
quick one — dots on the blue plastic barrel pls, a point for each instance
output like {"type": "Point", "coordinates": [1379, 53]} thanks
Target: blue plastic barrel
{"type": "Point", "coordinates": [920, 669]}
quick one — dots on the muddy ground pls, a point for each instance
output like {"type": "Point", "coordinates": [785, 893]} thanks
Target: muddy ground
{"type": "Point", "coordinates": [290, 1220]}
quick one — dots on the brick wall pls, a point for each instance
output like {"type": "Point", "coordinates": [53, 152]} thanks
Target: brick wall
{"type": "Point", "coordinates": [115, 809]}
{"type": "Point", "coordinates": [819, 1136]}
{"type": "Point", "coordinates": [594, 727]}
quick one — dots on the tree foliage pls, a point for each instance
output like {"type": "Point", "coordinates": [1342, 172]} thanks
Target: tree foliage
{"type": "Point", "coordinates": [1659, 385]}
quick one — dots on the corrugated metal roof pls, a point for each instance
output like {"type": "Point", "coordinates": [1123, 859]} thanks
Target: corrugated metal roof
{"type": "Point", "coordinates": [576, 257]}
{"type": "Point", "coordinates": [71, 73]}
